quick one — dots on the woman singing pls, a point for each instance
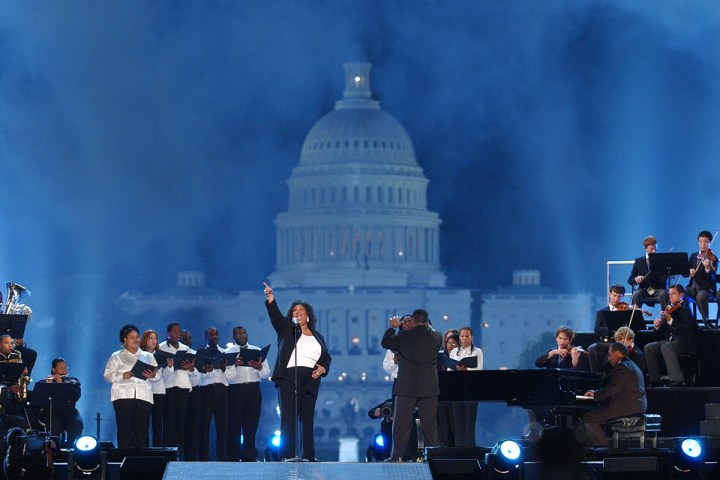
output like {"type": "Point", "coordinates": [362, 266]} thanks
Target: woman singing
{"type": "Point", "coordinates": [149, 343]}
{"type": "Point", "coordinates": [297, 340]}
{"type": "Point", "coordinates": [465, 413]}
{"type": "Point", "coordinates": [132, 397]}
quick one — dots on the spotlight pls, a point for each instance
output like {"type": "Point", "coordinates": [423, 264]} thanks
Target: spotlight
{"type": "Point", "coordinates": [504, 459]}
{"type": "Point", "coordinates": [379, 449]}
{"type": "Point", "coordinates": [87, 458]}
{"type": "Point", "coordinates": [689, 456]}
{"type": "Point", "coordinates": [272, 452]}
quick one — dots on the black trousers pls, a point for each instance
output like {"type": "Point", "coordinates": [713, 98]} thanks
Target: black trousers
{"type": "Point", "coordinates": [132, 417]}
{"type": "Point", "coordinates": [244, 415]}
{"type": "Point", "coordinates": [307, 397]}
{"type": "Point", "coordinates": [157, 419]}
{"type": "Point", "coordinates": [192, 425]}
{"type": "Point", "coordinates": [402, 425]}
{"type": "Point", "coordinates": [213, 404]}
{"type": "Point", "coordinates": [176, 404]}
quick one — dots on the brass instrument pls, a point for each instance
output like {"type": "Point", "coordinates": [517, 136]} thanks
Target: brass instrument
{"type": "Point", "coordinates": [23, 383]}
{"type": "Point", "coordinates": [15, 293]}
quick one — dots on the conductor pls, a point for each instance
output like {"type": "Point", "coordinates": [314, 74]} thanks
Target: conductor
{"type": "Point", "coordinates": [417, 380]}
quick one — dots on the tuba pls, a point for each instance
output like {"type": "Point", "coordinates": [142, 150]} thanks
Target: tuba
{"type": "Point", "coordinates": [15, 293]}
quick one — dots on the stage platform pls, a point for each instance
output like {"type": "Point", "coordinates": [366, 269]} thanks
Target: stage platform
{"type": "Point", "coordinates": [296, 471]}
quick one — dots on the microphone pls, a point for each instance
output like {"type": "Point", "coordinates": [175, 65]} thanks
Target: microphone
{"type": "Point", "coordinates": [296, 322]}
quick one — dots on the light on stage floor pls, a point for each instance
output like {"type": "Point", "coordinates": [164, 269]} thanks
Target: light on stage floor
{"type": "Point", "coordinates": [689, 457]}
{"type": "Point", "coordinates": [86, 458]}
{"type": "Point", "coordinates": [272, 451]}
{"type": "Point", "coordinates": [504, 459]}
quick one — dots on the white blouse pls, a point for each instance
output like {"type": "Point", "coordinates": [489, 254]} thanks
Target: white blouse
{"type": "Point", "coordinates": [308, 352]}
{"type": "Point", "coordinates": [123, 361]}
{"type": "Point", "coordinates": [459, 353]}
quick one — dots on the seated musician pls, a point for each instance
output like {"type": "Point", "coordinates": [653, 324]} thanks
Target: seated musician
{"type": "Point", "coordinates": [565, 355]}
{"type": "Point", "coordinates": [677, 324]}
{"type": "Point", "coordinates": [622, 396]}
{"type": "Point", "coordinates": [11, 402]}
{"type": "Point", "coordinates": [703, 268]}
{"type": "Point", "coordinates": [65, 418]}
{"type": "Point", "coordinates": [625, 336]}
{"type": "Point", "coordinates": [649, 287]}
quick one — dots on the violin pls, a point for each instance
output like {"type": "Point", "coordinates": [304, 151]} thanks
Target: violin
{"type": "Point", "coordinates": [622, 306]}
{"type": "Point", "coordinates": [671, 308]}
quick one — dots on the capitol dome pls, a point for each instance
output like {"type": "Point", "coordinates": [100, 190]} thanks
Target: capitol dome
{"type": "Point", "coordinates": [358, 205]}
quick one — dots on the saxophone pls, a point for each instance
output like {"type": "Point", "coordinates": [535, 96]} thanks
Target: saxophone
{"type": "Point", "coordinates": [23, 383]}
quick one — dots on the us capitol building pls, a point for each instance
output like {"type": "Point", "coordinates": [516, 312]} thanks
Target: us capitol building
{"type": "Point", "coordinates": [357, 241]}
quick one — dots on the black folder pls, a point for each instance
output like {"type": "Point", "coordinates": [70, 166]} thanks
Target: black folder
{"type": "Point", "coordinates": [250, 354]}
{"type": "Point", "coordinates": [451, 363]}
{"type": "Point", "coordinates": [181, 356]}
{"type": "Point", "coordinates": [161, 356]}
{"type": "Point", "coordinates": [140, 367]}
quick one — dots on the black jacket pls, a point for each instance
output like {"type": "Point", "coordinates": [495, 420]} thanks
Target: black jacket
{"type": "Point", "coordinates": [417, 349]}
{"type": "Point", "coordinates": [287, 334]}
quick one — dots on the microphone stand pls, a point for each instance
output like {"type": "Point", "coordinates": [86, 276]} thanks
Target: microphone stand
{"type": "Point", "coordinates": [296, 458]}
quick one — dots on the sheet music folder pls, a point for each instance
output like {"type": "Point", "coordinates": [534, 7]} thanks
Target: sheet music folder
{"type": "Point", "coordinates": [13, 325]}
{"type": "Point", "coordinates": [250, 354]}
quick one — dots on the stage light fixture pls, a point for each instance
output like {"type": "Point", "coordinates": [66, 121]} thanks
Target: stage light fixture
{"type": "Point", "coordinates": [379, 440]}
{"type": "Point", "coordinates": [504, 459]}
{"type": "Point", "coordinates": [87, 458]}
{"type": "Point", "coordinates": [272, 451]}
{"type": "Point", "coordinates": [689, 456]}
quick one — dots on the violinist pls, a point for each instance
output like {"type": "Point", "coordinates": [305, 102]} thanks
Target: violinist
{"type": "Point", "coordinates": [597, 352]}
{"type": "Point", "coordinates": [625, 336]}
{"type": "Point", "coordinates": [650, 286]}
{"type": "Point", "coordinates": [703, 266]}
{"type": "Point", "coordinates": [565, 355]}
{"type": "Point", "coordinates": [677, 324]}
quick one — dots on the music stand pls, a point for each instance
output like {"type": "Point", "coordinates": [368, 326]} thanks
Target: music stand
{"type": "Point", "coordinates": [619, 318]}
{"type": "Point", "coordinates": [52, 394]}
{"type": "Point", "coordinates": [13, 325]}
{"type": "Point", "coordinates": [10, 372]}
{"type": "Point", "coordinates": [674, 263]}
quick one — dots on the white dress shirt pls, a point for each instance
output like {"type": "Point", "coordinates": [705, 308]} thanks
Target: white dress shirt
{"type": "Point", "coordinates": [215, 376]}
{"type": "Point", "coordinates": [245, 374]}
{"type": "Point", "coordinates": [178, 377]}
{"type": "Point", "coordinates": [131, 388]}
{"type": "Point", "coordinates": [389, 364]}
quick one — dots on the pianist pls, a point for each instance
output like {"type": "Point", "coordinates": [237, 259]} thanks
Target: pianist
{"type": "Point", "coordinates": [622, 396]}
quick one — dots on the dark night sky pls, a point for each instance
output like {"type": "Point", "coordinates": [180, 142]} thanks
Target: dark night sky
{"type": "Point", "coordinates": [142, 138]}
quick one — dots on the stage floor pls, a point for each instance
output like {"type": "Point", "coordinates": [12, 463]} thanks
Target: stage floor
{"type": "Point", "coordinates": [296, 471]}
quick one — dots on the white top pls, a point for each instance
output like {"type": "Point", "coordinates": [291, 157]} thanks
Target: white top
{"type": "Point", "coordinates": [122, 361]}
{"type": "Point", "coordinates": [178, 377]}
{"type": "Point", "coordinates": [459, 353]}
{"type": "Point", "coordinates": [308, 352]}
{"type": "Point", "coordinates": [238, 375]}
{"type": "Point", "coordinates": [389, 364]}
{"type": "Point", "coordinates": [216, 376]}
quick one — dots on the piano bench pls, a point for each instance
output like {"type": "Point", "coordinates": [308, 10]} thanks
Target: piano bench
{"type": "Point", "coordinates": [635, 426]}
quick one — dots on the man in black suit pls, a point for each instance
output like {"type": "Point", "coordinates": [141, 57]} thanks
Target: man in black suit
{"type": "Point", "coordinates": [702, 271]}
{"type": "Point", "coordinates": [417, 380]}
{"type": "Point", "coordinates": [679, 327]}
{"type": "Point", "coordinates": [651, 286]}
{"type": "Point", "coordinates": [624, 395]}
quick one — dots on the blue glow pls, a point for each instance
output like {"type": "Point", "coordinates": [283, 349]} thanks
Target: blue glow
{"type": "Point", "coordinates": [276, 440]}
{"type": "Point", "coordinates": [691, 447]}
{"type": "Point", "coordinates": [85, 443]}
{"type": "Point", "coordinates": [379, 440]}
{"type": "Point", "coordinates": [510, 449]}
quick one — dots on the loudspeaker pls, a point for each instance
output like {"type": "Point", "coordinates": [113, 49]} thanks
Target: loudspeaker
{"type": "Point", "coordinates": [635, 468]}
{"type": "Point", "coordinates": [150, 468]}
{"type": "Point", "coordinates": [455, 469]}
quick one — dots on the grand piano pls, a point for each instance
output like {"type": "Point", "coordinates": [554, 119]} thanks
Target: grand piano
{"type": "Point", "coordinates": [555, 390]}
